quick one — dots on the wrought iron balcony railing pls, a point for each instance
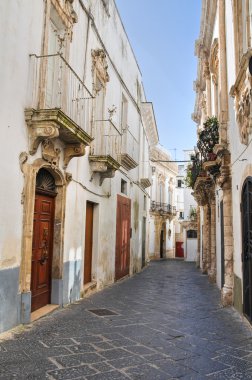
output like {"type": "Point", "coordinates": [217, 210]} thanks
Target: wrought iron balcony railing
{"type": "Point", "coordinates": [107, 140]}
{"type": "Point", "coordinates": [162, 208]}
{"type": "Point", "coordinates": [55, 85]}
{"type": "Point", "coordinates": [130, 150]}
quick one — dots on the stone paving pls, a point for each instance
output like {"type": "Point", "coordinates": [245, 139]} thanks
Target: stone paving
{"type": "Point", "coordinates": [168, 324]}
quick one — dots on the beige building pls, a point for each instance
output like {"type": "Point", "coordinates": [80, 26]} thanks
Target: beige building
{"type": "Point", "coordinates": [221, 174]}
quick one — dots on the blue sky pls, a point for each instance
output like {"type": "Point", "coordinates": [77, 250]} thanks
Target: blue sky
{"type": "Point", "coordinates": [162, 34]}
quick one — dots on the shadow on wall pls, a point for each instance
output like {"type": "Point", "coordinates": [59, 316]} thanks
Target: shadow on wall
{"type": "Point", "coordinates": [71, 281]}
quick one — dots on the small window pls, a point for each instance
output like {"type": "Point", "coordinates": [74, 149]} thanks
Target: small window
{"type": "Point", "coordinates": [181, 215]}
{"type": "Point", "coordinates": [123, 187]}
{"type": "Point", "coordinates": [191, 234]}
{"type": "Point", "coordinates": [144, 202]}
{"type": "Point", "coordinates": [180, 182]}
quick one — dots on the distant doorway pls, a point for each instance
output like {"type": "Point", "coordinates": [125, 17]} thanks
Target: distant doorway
{"type": "Point", "coordinates": [161, 244]}
{"type": "Point", "coordinates": [88, 243]}
{"type": "Point", "coordinates": [143, 241]}
{"type": "Point", "coordinates": [179, 249]}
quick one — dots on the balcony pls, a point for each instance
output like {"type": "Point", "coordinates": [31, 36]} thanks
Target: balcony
{"type": "Point", "coordinates": [59, 105]}
{"type": "Point", "coordinates": [163, 209]}
{"type": "Point", "coordinates": [129, 157]}
{"type": "Point", "coordinates": [208, 139]}
{"type": "Point", "coordinates": [106, 149]}
{"type": "Point", "coordinates": [146, 176]}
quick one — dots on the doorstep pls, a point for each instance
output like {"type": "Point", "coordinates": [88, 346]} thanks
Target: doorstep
{"type": "Point", "coordinates": [43, 311]}
{"type": "Point", "coordinates": [89, 288]}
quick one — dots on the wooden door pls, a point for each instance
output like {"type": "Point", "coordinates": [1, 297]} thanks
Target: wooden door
{"type": "Point", "coordinates": [88, 243]}
{"type": "Point", "coordinates": [247, 248]}
{"type": "Point", "coordinates": [42, 249]}
{"type": "Point", "coordinates": [179, 249]}
{"type": "Point", "coordinates": [222, 245]}
{"type": "Point", "coordinates": [122, 254]}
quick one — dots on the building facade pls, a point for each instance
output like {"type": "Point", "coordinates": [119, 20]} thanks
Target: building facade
{"type": "Point", "coordinates": [186, 223]}
{"type": "Point", "coordinates": [222, 167]}
{"type": "Point", "coordinates": [163, 204]}
{"type": "Point", "coordinates": [75, 164]}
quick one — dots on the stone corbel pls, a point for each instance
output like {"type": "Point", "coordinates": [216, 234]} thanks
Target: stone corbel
{"type": "Point", "coordinates": [73, 150]}
{"type": "Point", "coordinates": [39, 133]}
{"type": "Point", "coordinates": [50, 153]}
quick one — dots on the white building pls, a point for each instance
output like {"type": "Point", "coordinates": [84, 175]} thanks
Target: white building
{"type": "Point", "coordinates": [75, 159]}
{"type": "Point", "coordinates": [163, 206]}
{"type": "Point", "coordinates": [223, 170]}
{"type": "Point", "coordinates": [186, 225]}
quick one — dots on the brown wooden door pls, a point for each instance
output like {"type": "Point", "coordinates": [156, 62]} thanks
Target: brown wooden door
{"type": "Point", "coordinates": [122, 254]}
{"type": "Point", "coordinates": [42, 248]}
{"type": "Point", "coordinates": [88, 243]}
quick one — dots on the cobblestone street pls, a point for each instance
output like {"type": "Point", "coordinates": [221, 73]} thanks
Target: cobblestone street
{"type": "Point", "coordinates": [167, 324]}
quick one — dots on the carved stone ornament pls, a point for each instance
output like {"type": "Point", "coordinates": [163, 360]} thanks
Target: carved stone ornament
{"type": "Point", "coordinates": [243, 114]}
{"type": "Point", "coordinates": [242, 92]}
{"type": "Point", "coordinates": [69, 177]}
{"type": "Point", "coordinates": [206, 70]}
{"type": "Point", "coordinates": [214, 60]}
{"type": "Point", "coordinates": [39, 130]}
{"type": "Point", "coordinates": [73, 150]}
{"type": "Point", "coordinates": [23, 157]}
{"type": "Point", "coordinates": [49, 153]}
{"type": "Point", "coordinates": [66, 11]}
{"type": "Point", "coordinates": [100, 67]}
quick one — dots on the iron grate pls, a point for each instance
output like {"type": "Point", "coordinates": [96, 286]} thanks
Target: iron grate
{"type": "Point", "coordinates": [102, 312]}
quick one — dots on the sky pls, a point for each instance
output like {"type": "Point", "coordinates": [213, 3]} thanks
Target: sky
{"type": "Point", "coordinates": [162, 34]}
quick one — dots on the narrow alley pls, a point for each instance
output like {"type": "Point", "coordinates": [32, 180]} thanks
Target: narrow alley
{"type": "Point", "coordinates": [163, 323]}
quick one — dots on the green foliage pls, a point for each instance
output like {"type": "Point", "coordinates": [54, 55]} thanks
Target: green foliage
{"type": "Point", "coordinates": [208, 138]}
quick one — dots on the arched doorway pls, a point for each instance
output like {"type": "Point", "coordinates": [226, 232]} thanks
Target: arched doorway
{"type": "Point", "coordinates": [247, 247]}
{"type": "Point", "coordinates": [42, 242]}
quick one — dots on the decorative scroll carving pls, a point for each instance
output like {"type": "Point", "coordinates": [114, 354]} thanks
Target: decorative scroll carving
{"type": "Point", "coordinates": [242, 92]}
{"type": "Point", "coordinates": [206, 70]}
{"type": "Point", "coordinates": [214, 60]}
{"type": "Point", "coordinates": [23, 157]}
{"type": "Point", "coordinates": [73, 150]}
{"type": "Point", "coordinates": [100, 67]}
{"type": "Point", "coordinates": [243, 114]}
{"type": "Point", "coordinates": [49, 153]}
{"type": "Point", "coordinates": [66, 11]}
{"type": "Point", "coordinates": [69, 177]}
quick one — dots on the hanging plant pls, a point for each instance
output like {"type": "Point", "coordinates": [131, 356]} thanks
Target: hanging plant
{"type": "Point", "coordinates": [208, 138]}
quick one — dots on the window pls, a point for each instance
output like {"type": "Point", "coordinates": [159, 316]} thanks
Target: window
{"type": "Point", "coordinates": [181, 215]}
{"type": "Point", "coordinates": [180, 182]}
{"type": "Point", "coordinates": [124, 113]}
{"type": "Point", "coordinates": [144, 202]}
{"type": "Point", "coordinates": [123, 187]}
{"type": "Point", "coordinates": [191, 234]}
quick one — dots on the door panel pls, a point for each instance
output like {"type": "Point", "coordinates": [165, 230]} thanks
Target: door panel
{"type": "Point", "coordinates": [42, 250]}
{"type": "Point", "coordinates": [88, 243]}
{"type": "Point", "coordinates": [179, 249]}
{"type": "Point", "coordinates": [122, 255]}
{"type": "Point", "coordinates": [247, 248]}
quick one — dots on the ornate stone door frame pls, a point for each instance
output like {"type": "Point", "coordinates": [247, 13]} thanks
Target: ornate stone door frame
{"type": "Point", "coordinates": [28, 197]}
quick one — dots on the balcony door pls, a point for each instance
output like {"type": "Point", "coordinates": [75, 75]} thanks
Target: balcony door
{"type": "Point", "coordinates": [247, 247]}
